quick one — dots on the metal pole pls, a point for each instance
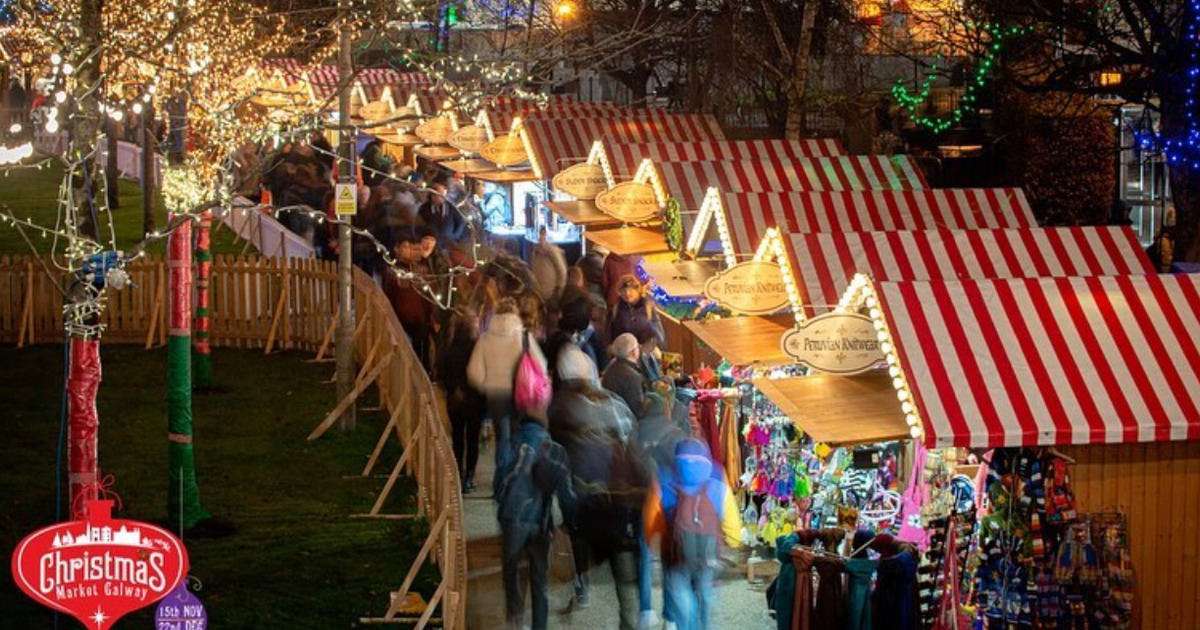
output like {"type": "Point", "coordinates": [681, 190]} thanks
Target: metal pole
{"type": "Point", "coordinates": [345, 331]}
{"type": "Point", "coordinates": [148, 172]}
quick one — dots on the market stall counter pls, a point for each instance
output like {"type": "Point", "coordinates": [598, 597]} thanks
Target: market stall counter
{"type": "Point", "coordinates": [745, 340]}
{"type": "Point", "coordinates": [630, 241]}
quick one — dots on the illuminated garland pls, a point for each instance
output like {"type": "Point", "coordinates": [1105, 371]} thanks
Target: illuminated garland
{"type": "Point", "coordinates": [673, 225]}
{"type": "Point", "coordinates": [1185, 149]}
{"type": "Point", "coordinates": [914, 102]}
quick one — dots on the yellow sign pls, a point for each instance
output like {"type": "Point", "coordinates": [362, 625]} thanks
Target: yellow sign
{"type": "Point", "coordinates": [436, 130]}
{"type": "Point", "coordinates": [836, 343]}
{"type": "Point", "coordinates": [753, 288]}
{"type": "Point", "coordinates": [630, 202]}
{"type": "Point", "coordinates": [581, 181]}
{"type": "Point", "coordinates": [347, 199]}
{"type": "Point", "coordinates": [505, 151]}
{"type": "Point", "coordinates": [469, 139]}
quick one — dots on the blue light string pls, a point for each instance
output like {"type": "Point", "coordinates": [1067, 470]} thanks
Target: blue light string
{"type": "Point", "coordinates": [1184, 149]}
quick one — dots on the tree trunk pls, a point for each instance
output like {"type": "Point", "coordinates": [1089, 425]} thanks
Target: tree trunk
{"type": "Point", "coordinates": [798, 89]}
{"type": "Point", "coordinates": [203, 359]}
{"type": "Point", "coordinates": [1185, 190]}
{"type": "Point", "coordinates": [183, 493]}
{"type": "Point", "coordinates": [111, 165]}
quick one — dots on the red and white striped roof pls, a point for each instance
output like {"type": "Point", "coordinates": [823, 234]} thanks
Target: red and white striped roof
{"type": "Point", "coordinates": [324, 80]}
{"type": "Point", "coordinates": [1050, 360]}
{"type": "Point", "coordinates": [689, 181]}
{"type": "Point", "coordinates": [824, 263]}
{"type": "Point", "coordinates": [502, 114]}
{"type": "Point", "coordinates": [750, 214]}
{"type": "Point", "coordinates": [559, 142]}
{"type": "Point", "coordinates": [625, 158]}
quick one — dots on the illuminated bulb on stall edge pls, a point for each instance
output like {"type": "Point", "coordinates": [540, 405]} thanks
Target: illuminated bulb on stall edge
{"type": "Point", "coordinates": [885, 347]}
{"type": "Point", "coordinates": [902, 395]}
{"type": "Point", "coordinates": [915, 432]}
{"type": "Point", "coordinates": [910, 419]}
{"type": "Point", "coordinates": [874, 313]}
{"type": "Point", "coordinates": [906, 407]}
{"type": "Point", "coordinates": [897, 383]}
{"type": "Point", "coordinates": [894, 371]}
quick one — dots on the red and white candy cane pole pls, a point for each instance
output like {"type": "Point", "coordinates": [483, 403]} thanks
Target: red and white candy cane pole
{"type": "Point", "coordinates": [183, 493]}
{"type": "Point", "coordinates": [83, 380]}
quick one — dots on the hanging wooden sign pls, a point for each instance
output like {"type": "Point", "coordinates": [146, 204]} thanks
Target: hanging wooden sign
{"type": "Point", "coordinates": [630, 202]}
{"type": "Point", "coordinates": [581, 181]}
{"type": "Point", "coordinates": [505, 151]}
{"type": "Point", "coordinates": [753, 288]}
{"type": "Point", "coordinates": [375, 111]}
{"type": "Point", "coordinates": [469, 139]}
{"type": "Point", "coordinates": [836, 343]}
{"type": "Point", "coordinates": [435, 130]}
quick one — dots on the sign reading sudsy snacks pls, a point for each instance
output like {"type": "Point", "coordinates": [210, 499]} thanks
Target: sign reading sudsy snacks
{"type": "Point", "coordinates": [630, 202]}
{"type": "Point", "coordinates": [99, 569]}
{"type": "Point", "coordinates": [753, 288]}
{"type": "Point", "coordinates": [836, 343]}
{"type": "Point", "coordinates": [581, 181]}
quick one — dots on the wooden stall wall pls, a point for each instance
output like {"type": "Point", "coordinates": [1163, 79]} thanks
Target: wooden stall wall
{"type": "Point", "coordinates": [682, 341]}
{"type": "Point", "coordinates": [1157, 486]}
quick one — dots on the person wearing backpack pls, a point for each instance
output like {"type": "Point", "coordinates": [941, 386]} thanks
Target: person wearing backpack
{"type": "Point", "coordinates": [690, 514]}
{"type": "Point", "coordinates": [493, 368]}
{"type": "Point", "coordinates": [527, 478]}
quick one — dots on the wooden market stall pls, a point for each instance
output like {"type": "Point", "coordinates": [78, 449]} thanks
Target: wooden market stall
{"type": "Point", "coordinates": [1107, 368]}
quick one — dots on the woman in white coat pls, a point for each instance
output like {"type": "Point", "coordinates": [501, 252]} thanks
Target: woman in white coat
{"type": "Point", "coordinates": [493, 367]}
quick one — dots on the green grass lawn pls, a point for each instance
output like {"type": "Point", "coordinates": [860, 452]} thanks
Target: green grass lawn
{"type": "Point", "coordinates": [33, 194]}
{"type": "Point", "coordinates": [296, 561]}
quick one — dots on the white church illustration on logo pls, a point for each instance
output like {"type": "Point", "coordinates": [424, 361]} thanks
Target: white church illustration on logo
{"type": "Point", "coordinates": [102, 535]}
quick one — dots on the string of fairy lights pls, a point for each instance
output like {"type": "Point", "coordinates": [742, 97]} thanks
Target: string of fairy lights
{"type": "Point", "coordinates": [914, 102]}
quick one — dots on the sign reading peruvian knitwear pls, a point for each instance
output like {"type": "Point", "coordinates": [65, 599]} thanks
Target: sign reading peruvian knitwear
{"type": "Point", "coordinates": [435, 130]}
{"type": "Point", "coordinates": [753, 288]}
{"type": "Point", "coordinates": [835, 343]}
{"type": "Point", "coordinates": [505, 151]}
{"type": "Point", "coordinates": [630, 202]}
{"type": "Point", "coordinates": [581, 181]}
{"type": "Point", "coordinates": [469, 139]}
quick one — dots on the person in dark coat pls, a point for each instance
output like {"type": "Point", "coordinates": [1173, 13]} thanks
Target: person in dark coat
{"type": "Point", "coordinates": [634, 312]}
{"type": "Point", "coordinates": [616, 269]}
{"type": "Point", "coordinates": [465, 405]}
{"type": "Point", "coordinates": [622, 376]}
{"type": "Point", "coordinates": [609, 476]}
{"type": "Point", "coordinates": [528, 478]}
{"type": "Point", "coordinates": [438, 213]}
{"type": "Point", "coordinates": [408, 296]}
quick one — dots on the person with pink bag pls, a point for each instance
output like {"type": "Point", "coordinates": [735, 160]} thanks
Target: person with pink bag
{"type": "Point", "coordinates": [493, 370]}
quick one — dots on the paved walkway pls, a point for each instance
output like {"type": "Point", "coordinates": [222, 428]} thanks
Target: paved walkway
{"type": "Point", "coordinates": [739, 604]}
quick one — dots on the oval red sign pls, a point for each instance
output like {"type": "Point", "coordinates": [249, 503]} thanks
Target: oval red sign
{"type": "Point", "coordinates": [100, 569]}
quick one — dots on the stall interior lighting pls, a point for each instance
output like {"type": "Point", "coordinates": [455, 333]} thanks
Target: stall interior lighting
{"type": "Point", "coordinates": [646, 173]}
{"type": "Point", "coordinates": [900, 382]}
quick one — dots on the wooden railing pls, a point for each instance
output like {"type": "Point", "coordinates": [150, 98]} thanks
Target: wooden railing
{"type": "Point", "coordinates": [291, 304]}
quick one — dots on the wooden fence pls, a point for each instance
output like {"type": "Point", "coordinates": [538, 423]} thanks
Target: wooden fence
{"type": "Point", "coordinates": [291, 304]}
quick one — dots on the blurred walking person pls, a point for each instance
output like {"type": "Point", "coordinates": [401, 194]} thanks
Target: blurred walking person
{"type": "Point", "coordinates": [690, 514]}
{"type": "Point", "coordinates": [493, 367]}
{"type": "Point", "coordinates": [527, 478]}
{"type": "Point", "coordinates": [465, 405]}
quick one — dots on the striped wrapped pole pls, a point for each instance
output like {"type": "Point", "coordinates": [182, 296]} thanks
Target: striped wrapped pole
{"type": "Point", "coordinates": [183, 494]}
{"type": "Point", "coordinates": [83, 379]}
{"type": "Point", "coordinates": [203, 360]}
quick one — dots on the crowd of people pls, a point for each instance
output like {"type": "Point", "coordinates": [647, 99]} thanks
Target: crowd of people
{"type": "Point", "coordinates": [611, 440]}
{"type": "Point", "coordinates": [561, 362]}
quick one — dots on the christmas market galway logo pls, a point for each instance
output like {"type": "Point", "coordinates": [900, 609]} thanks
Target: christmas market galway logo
{"type": "Point", "coordinates": [99, 568]}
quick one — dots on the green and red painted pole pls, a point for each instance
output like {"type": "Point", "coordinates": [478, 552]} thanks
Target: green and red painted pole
{"type": "Point", "coordinates": [202, 379]}
{"type": "Point", "coordinates": [183, 494]}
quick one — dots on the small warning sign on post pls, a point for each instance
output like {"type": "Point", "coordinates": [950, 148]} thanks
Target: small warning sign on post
{"type": "Point", "coordinates": [347, 199]}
